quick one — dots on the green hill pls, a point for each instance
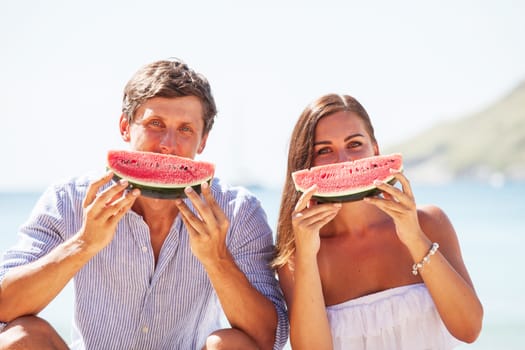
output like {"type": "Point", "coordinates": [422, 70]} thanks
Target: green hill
{"type": "Point", "coordinates": [488, 145]}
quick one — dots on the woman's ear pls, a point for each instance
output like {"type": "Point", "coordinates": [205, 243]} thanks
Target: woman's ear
{"type": "Point", "coordinates": [376, 149]}
{"type": "Point", "coordinates": [124, 127]}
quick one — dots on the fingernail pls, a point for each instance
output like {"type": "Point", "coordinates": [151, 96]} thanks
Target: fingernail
{"type": "Point", "coordinates": [178, 201]}
{"type": "Point", "coordinates": [135, 192]}
{"type": "Point", "coordinates": [338, 205]}
{"type": "Point", "coordinates": [123, 182]}
{"type": "Point", "coordinates": [188, 190]}
{"type": "Point", "coordinates": [204, 185]}
{"type": "Point", "coordinates": [377, 182]}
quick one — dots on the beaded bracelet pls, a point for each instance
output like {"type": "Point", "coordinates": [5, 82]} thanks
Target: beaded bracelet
{"type": "Point", "coordinates": [426, 260]}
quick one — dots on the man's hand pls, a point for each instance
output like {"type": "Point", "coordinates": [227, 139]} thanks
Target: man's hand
{"type": "Point", "coordinates": [103, 211]}
{"type": "Point", "coordinates": [207, 231]}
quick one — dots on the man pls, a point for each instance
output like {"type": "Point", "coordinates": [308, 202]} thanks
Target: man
{"type": "Point", "coordinates": [148, 273]}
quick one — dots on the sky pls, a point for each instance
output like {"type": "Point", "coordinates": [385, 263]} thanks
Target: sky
{"type": "Point", "coordinates": [412, 64]}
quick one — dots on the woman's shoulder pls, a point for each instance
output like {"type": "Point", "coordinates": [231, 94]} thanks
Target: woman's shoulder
{"type": "Point", "coordinates": [436, 225]}
{"type": "Point", "coordinates": [432, 214]}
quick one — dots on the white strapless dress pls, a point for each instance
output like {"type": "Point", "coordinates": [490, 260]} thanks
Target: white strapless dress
{"type": "Point", "coordinates": [402, 318]}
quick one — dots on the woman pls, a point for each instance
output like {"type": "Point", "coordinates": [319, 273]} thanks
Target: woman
{"type": "Point", "coordinates": [347, 269]}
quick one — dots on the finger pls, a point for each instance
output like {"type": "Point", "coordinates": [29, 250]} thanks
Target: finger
{"type": "Point", "coordinates": [192, 231]}
{"type": "Point", "coordinates": [395, 193]}
{"type": "Point", "coordinates": [387, 196]}
{"type": "Point", "coordinates": [110, 194]}
{"type": "Point", "coordinates": [194, 197]}
{"type": "Point", "coordinates": [123, 205]}
{"type": "Point", "coordinates": [212, 203]}
{"type": "Point", "coordinates": [119, 195]}
{"type": "Point", "coordinates": [317, 210]}
{"type": "Point", "coordinates": [94, 187]}
{"type": "Point", "coordinates": [184, 210]}
{"type": "Point", "coordinates": [305, 198]}
{"type": "Point", "coordinates": [212, 217]}
{"type": "Point", "coordinates": [115, 206]}
{"type": "Point", "coordinates": [188, 217]}
{"type": "Point", "coordinates": [392, 208]}
{"type": "Point", "coordinates": [405, 183]}
{"type": "Point", "coordinates": [315, 223]}
{"type": "Point", "coordinates": [312, 220]}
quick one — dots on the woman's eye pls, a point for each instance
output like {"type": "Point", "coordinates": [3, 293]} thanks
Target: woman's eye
{"type": "Point", "coordinates": [324, 150]}
{"type": "Point", "coordinates": [354, 144]}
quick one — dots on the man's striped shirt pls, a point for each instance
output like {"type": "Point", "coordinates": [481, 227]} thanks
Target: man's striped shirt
{"type": "Point", "coordinates": [124, 301]}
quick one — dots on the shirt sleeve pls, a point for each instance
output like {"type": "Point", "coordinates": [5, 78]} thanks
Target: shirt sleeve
{"type": "Point", "coordinates": [38, 235]}
{"type": "Point", "coordinates": [251, 244]}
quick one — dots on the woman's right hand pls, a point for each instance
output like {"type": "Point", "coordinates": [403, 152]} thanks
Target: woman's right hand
{"type": "Point", "coordinates": [308, 219]}
{"type": "Point", "coordinates": [103, 211]}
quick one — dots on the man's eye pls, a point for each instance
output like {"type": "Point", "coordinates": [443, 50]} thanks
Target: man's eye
{"type": "Point", "coordinates": [156, 123]}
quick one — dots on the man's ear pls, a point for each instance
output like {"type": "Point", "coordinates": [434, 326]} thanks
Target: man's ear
{"type": "Point", "coordinates": [203, 144]}
{"type": "Point", "coordinates": [124, 127]}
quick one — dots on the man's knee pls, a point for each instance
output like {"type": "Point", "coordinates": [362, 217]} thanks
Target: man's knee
{"type": "Point", "coordinates": [30, 332]}
{"type": "Point", "coordinates": [229, 339]}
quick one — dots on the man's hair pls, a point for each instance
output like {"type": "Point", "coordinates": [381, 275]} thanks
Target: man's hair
{"type": "Point", "coordinates": [168, 78]}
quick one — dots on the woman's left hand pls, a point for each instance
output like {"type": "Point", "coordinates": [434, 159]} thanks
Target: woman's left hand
{"type": "Point", "coordinates": [399, 204]}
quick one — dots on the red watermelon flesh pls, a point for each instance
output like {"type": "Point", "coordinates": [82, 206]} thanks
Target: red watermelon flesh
{"type": "Point", "coordinates": [350, 180]}
{"type": "Point", "coordinates": [156, 170]}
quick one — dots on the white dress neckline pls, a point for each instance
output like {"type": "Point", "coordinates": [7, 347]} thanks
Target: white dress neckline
{"type": "Point", "coordinates": [403, 318]}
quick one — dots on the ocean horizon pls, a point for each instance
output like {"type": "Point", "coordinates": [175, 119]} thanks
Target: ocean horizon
{"type": "Point", "coordinates": [488, 220]}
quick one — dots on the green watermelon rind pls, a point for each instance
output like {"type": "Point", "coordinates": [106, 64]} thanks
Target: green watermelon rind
{"type": "Point", "coordinates": [161, 192]}
{"type": "Point", "coordinates": [370, 191]}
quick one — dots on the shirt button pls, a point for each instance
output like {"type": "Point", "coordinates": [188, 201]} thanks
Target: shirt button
{"type": "Point", "coordinates": [144, 249]}
{"type": "Point", "coordinates": [145, 329]}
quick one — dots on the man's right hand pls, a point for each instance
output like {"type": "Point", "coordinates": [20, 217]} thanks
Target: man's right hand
{"type": "Point", "coordinates": [28, 288]}
{"type": "Point", "coordinates": [103, 211]}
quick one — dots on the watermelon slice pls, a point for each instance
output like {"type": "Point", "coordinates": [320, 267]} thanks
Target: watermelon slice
{"type": "Point", "coordinates": [159, 175]}
{"type": "Point", "coordinates": [348, 181]}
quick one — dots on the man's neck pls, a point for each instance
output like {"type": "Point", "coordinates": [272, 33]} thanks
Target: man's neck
{"type": "Point", "coordinates": [156, 211]}
{"type": "Point", "coordinates": [159, 215]}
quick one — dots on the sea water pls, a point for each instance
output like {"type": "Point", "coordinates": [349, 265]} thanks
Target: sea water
{"type": "Point", "coordinates": [488, 220]}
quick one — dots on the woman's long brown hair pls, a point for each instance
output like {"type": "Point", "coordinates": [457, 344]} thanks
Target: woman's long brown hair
{"type": "Point", "coordinates": [300, 156]}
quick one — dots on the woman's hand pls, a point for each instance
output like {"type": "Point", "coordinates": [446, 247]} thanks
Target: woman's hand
{"type": "Point", "coordinates": [399, 204]}
{"type": "Point", "coordinates": [307, 221]}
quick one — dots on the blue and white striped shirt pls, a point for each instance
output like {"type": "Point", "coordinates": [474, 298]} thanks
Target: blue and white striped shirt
{"type": "Point", "coordinates": [124, 301]}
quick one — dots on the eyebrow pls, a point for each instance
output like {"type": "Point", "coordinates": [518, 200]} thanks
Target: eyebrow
{"type": "Point", "coordinates": [349, 137]}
